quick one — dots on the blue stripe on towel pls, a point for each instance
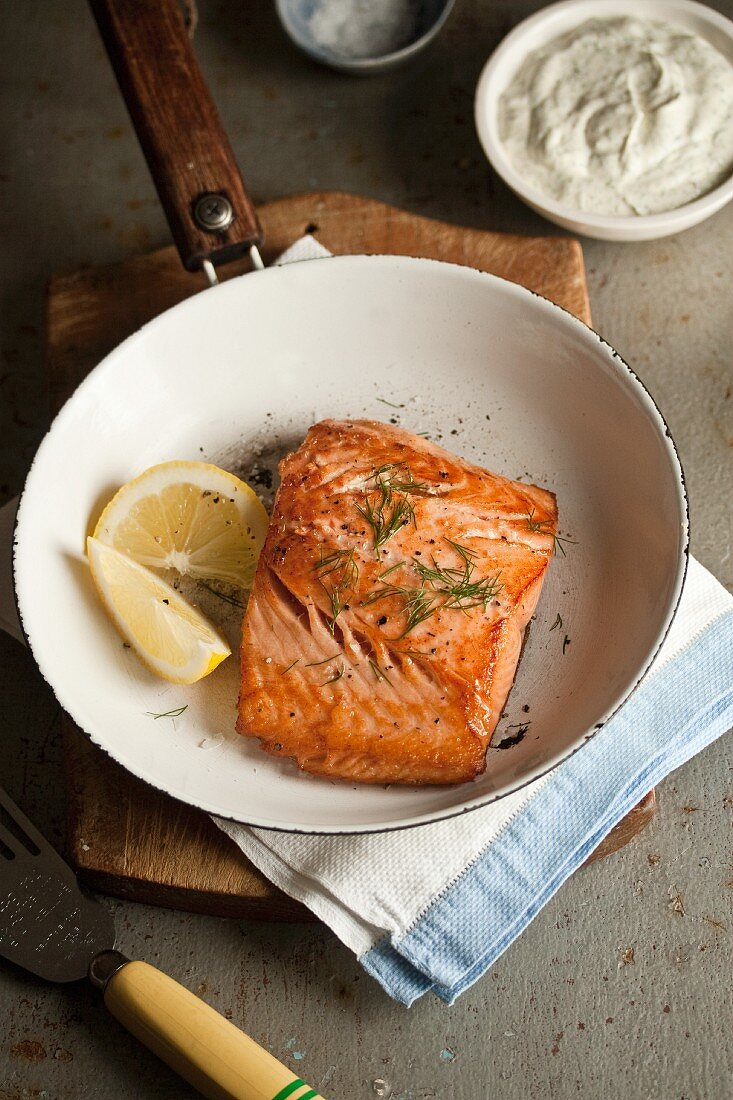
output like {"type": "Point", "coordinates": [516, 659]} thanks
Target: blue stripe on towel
{"type": "Point", "coordinates": [669, 718]}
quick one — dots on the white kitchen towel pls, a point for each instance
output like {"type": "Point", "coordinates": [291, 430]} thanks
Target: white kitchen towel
{"type": "Point", "coordinates": [432, 908]}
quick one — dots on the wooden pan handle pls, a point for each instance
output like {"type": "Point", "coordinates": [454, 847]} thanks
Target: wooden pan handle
{"type": "Point", "coordinates": [179, 129]}
{"type": "Point", "coordinates": [193, 1039]}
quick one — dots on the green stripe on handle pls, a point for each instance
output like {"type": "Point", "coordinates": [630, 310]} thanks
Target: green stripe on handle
{"type": "Point", "coordinates": [289, 1092]}
{"type": "Point", "coordinates": [291, 1088]}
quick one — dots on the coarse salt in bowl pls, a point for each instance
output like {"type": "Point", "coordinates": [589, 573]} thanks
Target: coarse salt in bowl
{"type": "Point", "coordinates": [362, 36]}
{"type": "Point", "coordinates": [539, 30]}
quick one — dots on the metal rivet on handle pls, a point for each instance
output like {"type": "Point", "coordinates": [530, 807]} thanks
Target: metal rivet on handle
{"type": "Point", "coordinates": [213, 212]}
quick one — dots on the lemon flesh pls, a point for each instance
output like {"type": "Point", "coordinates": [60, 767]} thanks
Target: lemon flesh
{"type": "Point", "coordinates": [192, 517]}
{"type": "Point", "coordinates": [169, 635]}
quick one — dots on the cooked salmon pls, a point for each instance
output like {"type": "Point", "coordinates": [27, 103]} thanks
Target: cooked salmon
{"type": "Point", "coordinates": [388, 610]}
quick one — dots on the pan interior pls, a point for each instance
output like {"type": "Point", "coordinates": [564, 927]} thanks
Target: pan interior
{"type": "Point", "coordinates": [236, 375]}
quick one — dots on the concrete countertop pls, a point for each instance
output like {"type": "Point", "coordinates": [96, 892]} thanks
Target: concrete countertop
{"type": "Point", "coordinates": [624, 980]}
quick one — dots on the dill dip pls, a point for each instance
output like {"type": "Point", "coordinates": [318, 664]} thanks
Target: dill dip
{"type": "Point", "coordinates": [621, 116]}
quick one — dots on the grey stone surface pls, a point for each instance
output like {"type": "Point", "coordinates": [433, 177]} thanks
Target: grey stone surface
{"type": "Point", "coordinates": [623, 983]}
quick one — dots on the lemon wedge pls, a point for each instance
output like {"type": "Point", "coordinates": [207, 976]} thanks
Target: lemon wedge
{"type": "Point", "coordinates": [169, 635]}
{"type": "Point", "coordinates": [188, 516]}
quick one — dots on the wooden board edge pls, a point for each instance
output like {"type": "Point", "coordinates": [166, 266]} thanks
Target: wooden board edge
{"type": "Point", "coordinates": [577, 249]}
{"type": "Point", "coordinates": [280, 908]}
{"type": "Point", "coordinates": [628, 828]}
{"type": "Point", "coordinates": [61, 282]}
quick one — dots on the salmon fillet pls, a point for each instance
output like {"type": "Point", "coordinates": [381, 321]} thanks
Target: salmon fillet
{"type": "Point", "coordinates": [388, 610]}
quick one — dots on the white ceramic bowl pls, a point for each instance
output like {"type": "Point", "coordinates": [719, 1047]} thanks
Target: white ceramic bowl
{"type": "Point", "coordinates": [536, 32]}
{"type": "Point", "coordinates": [237, 374]}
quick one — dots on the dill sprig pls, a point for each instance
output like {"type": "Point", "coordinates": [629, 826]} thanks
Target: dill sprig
{"type": "Point", "coordinates": [417, 603]}
{"type": "Point", "coordinates": [340, 566]}
{"type": "Point", "coordinates": [336, 676]}
{"type": "Point", "coordinates": [557, 544]}
{"type": "Point", "coordinates": [386, 572]}
{"type": "Point", "coordinates": [167, 713]}
{"type": "Point", "coordinates": [221, 595]}
{"type": "Point", "coordinates": [338, 561]}
{"type": "Point", "coordinates": [458, 584]}
{"type": "Point", "coordinates": [462, 551]}
{"type": "Point", "coordinates": [387, 506]}
{"type": "Point", "coordinates": [397, 476]}
{"type": "Point", "coordinates": [291, 665]}
{"type": "Point", "coordinates": [379, 672]}
{"type": "Point", "coordinates": [441, 587]}
{"type": "Point", "coordinates": [419, 606]}
{"type": "Point", "coordinates": [386, 514]}
{"type": "Point", "coordinates": [325, 661]}
{"type": "Point", "coordinates": [557, 623]}
{"type": "Point", "coordinates": [539, 526]}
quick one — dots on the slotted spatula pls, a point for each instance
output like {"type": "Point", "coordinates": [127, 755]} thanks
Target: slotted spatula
{"type": "Point", "coordinates": [48, 926]}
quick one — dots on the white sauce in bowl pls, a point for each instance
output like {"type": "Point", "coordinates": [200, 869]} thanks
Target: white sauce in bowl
{"type": "Point", "coordinates": [621, 116]}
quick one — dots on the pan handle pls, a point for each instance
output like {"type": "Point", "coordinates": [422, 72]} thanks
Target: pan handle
{"type": "Point", "coordinates": [188, 153]}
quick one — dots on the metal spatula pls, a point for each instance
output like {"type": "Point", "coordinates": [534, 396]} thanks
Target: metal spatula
{"type": "Point", "coordinates": [48, 926]}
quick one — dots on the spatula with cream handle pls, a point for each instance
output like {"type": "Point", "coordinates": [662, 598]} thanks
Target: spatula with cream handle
{"type": "Point", "coordinates": [48, 926]}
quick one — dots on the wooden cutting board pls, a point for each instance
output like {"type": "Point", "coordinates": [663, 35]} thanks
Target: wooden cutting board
{"type": "Point", "coordinates": [125, 838]}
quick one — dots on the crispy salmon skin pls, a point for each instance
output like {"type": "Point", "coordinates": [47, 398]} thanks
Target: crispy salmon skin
{"type": "Point", "coordinates": [387, 614]}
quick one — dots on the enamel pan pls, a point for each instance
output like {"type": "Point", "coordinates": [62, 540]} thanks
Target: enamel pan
{"type": "Point", "coordinates": [237, 374]}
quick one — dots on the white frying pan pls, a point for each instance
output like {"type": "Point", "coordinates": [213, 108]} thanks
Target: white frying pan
{"type": "Point", "coordinates": [238, 373]}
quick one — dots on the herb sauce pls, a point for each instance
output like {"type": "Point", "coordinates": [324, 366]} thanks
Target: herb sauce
{"type": "Point", "coordinates": [621, 116]}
